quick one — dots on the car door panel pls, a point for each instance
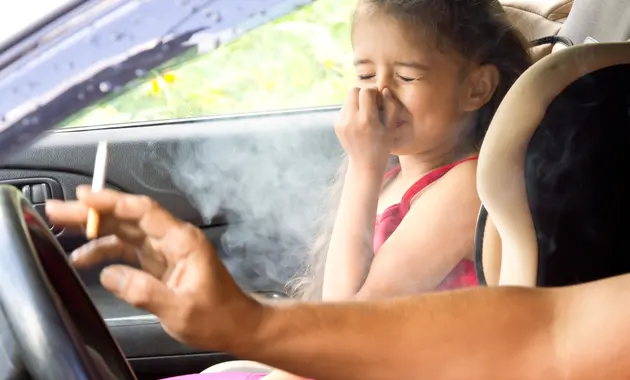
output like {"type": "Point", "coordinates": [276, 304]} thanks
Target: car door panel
{"type": "Point", "coordinates": [254, 183]}
{"type": "Point", "coordinates": [141, 161]}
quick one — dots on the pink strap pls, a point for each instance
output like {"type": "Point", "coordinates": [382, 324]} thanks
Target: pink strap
{"type": "Point", "coordinates": [425, 181]}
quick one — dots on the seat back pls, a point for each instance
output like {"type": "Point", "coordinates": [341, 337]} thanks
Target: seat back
{"type": "Point", "coordinates": [552, 173]}
{"type": "Point", "coordinates": [538, 19]}
{"type": "Point", "coordinates": [598, 20]}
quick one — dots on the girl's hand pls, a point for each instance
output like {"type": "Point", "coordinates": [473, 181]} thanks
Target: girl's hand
{"type": "Point", "coordinates": [365, 127]}
{"type": "Point", "coordinates": [182, 281]}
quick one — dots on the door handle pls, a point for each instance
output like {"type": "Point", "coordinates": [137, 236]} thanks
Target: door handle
{"type": "Point", "coordinates": [37, 191]}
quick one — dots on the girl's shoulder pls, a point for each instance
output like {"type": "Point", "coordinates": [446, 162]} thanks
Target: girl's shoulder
{"type": "Point", "coordinates": [460, 176]}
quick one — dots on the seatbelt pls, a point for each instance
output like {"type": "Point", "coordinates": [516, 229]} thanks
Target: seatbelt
{"type": "Point", "coordinates": [551, 40]}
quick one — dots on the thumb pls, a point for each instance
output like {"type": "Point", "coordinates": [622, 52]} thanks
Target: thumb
{"type": "Point", "coordinates": [139, 289]}
{"type": "Point", "coordinates": [391, 108]}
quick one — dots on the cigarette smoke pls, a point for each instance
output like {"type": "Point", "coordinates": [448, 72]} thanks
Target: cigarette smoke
{"type": "Point", "coordinates": [270, 187]}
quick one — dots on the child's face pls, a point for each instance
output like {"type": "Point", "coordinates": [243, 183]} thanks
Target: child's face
{"type": "Point", "coordinates": [428, 83]}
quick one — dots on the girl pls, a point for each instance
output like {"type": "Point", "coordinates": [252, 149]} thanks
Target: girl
{"type": "Point", "coordinates": [436, 70]}
{"type": "Point", "coordinates": [430, 75]}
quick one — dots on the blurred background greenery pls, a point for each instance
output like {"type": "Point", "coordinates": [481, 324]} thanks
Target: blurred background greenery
{"type": "Point", "coordinates": [303, 59]}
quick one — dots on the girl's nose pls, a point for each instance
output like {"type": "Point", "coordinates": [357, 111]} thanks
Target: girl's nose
{"type": "Point", "coordinates": [385, 81]}
{"type": "Point", "coordinates": [382, 83]}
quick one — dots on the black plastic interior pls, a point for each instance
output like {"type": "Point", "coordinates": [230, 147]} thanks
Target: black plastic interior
{"type": "Point", "coordinates": [139, 156]}
{"type": "Point", "coordinates": [478, 254]}
{"type": "Point", "coordinates": [576, 178]}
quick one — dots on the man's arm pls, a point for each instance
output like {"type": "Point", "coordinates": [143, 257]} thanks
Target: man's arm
{"type": "Point", "coordinates": [483, 333]}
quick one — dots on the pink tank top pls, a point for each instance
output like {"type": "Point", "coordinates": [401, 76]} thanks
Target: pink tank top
{"type": "Point", "coordinates": [463, 274]}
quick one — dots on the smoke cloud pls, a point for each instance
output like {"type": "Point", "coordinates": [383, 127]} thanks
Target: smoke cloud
{"type": "Point", "coordinates": [271, 188]}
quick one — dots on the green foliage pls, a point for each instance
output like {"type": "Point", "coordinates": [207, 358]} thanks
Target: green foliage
{"type": "Point", "coordinates": [303, 59]}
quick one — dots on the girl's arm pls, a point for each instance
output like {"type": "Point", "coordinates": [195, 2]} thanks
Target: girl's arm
{"type": "Point", "coordinates": [435, 235]}
{"type": "Point", "coordinates": [365, 132]}
{"type": "Point", "coordinates": [350, 252]}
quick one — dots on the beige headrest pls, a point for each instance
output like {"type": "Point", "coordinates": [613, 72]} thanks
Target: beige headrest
{"type": "Point", "coordinates": [538, 18]}
{"type": "Point", "coordinates": [500, 179]}
{"type": "Point", "coordinates": [552, 10]}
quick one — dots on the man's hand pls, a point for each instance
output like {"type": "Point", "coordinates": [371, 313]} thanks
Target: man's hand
{"type": "Point", "coordinates": [182, 281]}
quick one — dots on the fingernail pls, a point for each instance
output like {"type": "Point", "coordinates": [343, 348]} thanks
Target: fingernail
{"type": "Point", "coordinates": [75, 255]}
{"type": "Point", "coordinates": [113, 278]}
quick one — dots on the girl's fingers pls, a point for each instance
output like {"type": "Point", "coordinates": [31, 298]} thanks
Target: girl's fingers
{"type": "Point", "coordinates": [391, 107]}
{"type": "Point", "coordinates": [352, 101]}
{"type": "Point", "coordinates": [368, 103]}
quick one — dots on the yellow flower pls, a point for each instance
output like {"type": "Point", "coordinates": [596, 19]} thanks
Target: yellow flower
{"type": "Point", "coordinates": [269, 85]}
{"type": "Point", "coordinates": [155, 86]}
{"type": "Point", "coordinates": [329, 63]}
{"type": "Point", "coordinates": [169, 77]}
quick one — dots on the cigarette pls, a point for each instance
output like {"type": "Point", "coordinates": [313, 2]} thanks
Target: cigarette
{"type": "Point", "coordinates": [98, 183]}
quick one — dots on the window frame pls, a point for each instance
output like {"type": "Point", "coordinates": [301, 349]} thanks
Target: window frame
{"type": "Point", "coordinates": [27, 111]}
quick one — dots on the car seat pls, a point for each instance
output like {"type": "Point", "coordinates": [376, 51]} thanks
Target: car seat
{"type": "Point", "coordinates": [551, 174]}
{"type": "Point", "coordinates": [540, 22]}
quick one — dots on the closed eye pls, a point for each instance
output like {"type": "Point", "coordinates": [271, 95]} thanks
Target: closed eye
{"type": "Point", "coordinates": [366, 77]}
{"type": "Point", "coordinates": [406, 79]}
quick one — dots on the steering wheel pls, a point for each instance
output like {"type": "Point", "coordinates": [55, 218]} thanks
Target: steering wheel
{"type": "Point", "coordinates": [58, 330]}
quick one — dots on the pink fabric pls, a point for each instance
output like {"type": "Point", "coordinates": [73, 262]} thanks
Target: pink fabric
{"type": "Point", "coordinates": [220, 376]}
{"type": "Point", "coordinates": [463, 274]}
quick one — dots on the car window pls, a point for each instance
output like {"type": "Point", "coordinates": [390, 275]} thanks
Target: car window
{"type": "Point", "coordinates": [300, 60]}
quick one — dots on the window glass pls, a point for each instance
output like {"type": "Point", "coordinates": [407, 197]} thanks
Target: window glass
{"type": "Point", "coordinates": [301, 60]}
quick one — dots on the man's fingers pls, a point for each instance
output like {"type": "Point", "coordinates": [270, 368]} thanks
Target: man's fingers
{"type": "Point", "coordinates": [152, 219]}
{"type": "Point", "coordinates": [66, 213]}
{"type": "Point", "coordinates": [179, 243]}
{"type": "Point", "coordinates": [73, 215]}
{"type": "Point", "coordinates": [103, 201]}
{"type": "Point", "coordinates": [103, 249]}
{"type": "Point", "coordinates": [139, 289]}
